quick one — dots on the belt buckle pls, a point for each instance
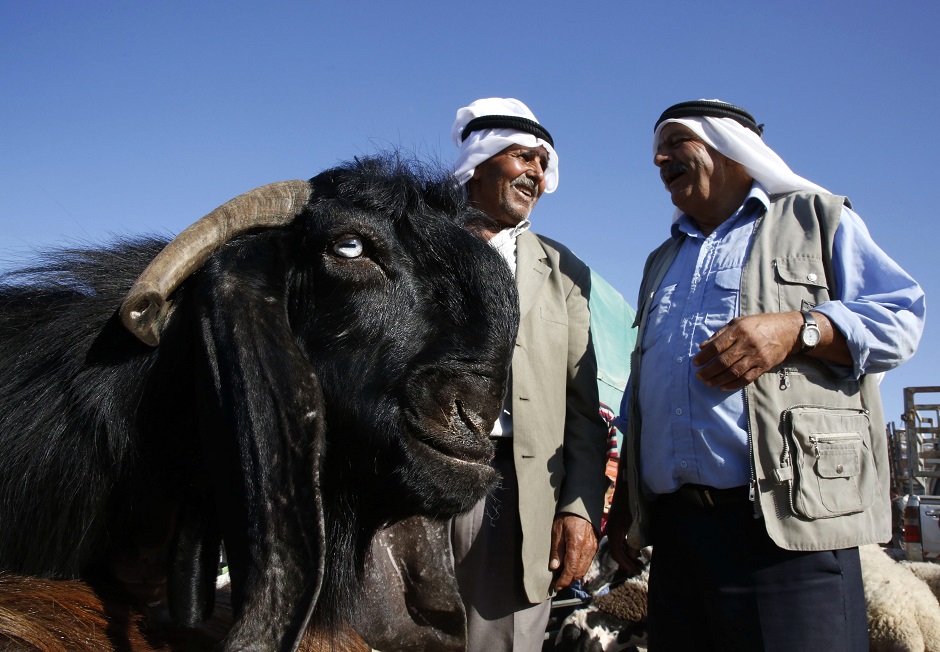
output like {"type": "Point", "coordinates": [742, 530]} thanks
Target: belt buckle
{"type": "Point", "coordinates": [706, 497]}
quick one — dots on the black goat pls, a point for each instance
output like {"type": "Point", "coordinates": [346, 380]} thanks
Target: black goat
{"type": "Point", "coordinates": [334, 367]}
{"type": "Point", "coordinates": [410, 599]}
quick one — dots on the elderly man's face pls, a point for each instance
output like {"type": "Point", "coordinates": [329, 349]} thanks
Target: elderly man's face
{"type": "Point", "coordinates": [703, 183]}
{"type": "Point", "coordinates": [507, 185]}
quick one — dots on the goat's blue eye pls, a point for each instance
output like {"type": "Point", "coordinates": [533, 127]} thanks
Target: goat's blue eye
{"type": "Point", "coordinates": [348, 248]}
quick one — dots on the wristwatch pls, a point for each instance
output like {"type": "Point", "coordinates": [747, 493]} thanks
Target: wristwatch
{"type": "Point", "coordinates": [809, 334]}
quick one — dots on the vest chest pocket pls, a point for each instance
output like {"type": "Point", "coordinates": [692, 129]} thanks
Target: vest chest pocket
{"type": "Point", "coordinates": [830, 455]}
{"type": "Point", "coordinates": [801, 282]}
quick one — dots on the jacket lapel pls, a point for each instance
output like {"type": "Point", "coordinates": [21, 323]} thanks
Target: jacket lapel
{"type": "Point", "coordinates": [531, 270]}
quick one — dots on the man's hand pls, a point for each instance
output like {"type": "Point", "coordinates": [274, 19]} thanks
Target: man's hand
{"type": "Point", "coordinates": [746, 347]}
{"type": "Point", "coordinates": [618, 524]}
{"type": "Point", "coordinates": [573, 546]}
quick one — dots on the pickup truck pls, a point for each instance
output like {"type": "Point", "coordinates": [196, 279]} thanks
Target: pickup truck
{"type": "Point", "coordinates": [922, 528]}
{"type": "Point", "coordinates": [916, 470]}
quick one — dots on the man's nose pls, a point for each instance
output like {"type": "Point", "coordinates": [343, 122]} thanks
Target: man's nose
{"type": "Point", "coordinates": [660, 159]}
{"type": "Point", "coordinates": [536, 170]}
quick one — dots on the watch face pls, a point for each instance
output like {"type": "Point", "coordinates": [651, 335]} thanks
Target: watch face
{"type": "Point", "coordinates": [810, 337]}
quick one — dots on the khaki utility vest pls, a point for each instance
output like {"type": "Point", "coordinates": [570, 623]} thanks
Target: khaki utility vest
{"type": "Point", "coordinates": [819, 456]}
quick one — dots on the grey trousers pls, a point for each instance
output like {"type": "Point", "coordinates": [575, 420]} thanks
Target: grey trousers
{"type": "Point", "coordinates": [487, 559]}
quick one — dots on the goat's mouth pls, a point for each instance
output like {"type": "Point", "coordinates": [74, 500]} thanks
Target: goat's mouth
{"type": "Point", "coordinates": [458, 433]}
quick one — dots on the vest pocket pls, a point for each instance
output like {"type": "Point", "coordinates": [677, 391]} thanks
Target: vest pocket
{"type": "Point", "coordinates": [830, 455]}
{"type": "Point", "coordinates": [801, 282]}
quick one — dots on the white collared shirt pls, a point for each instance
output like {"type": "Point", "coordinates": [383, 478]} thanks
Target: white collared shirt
{"type": "Point", "coordinates": [505, 243]}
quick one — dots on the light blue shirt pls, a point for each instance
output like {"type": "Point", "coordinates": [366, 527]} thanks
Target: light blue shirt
{"type": "Point", "coordinates": [692, 433]}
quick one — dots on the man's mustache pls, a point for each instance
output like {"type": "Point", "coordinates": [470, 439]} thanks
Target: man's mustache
{"type": "Point", "coordinates": [524, 181]}
{"type": "Point", "coordinates": [671, 170]}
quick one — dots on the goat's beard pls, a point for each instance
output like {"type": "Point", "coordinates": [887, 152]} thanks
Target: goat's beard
{"type": "Point", "coordinates": [413, 478]}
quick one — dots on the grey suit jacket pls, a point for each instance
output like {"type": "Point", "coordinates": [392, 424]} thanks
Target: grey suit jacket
{"type": "Point", "coordinates": [559, 439]}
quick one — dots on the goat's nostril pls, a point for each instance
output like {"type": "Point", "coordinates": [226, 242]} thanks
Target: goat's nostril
{"type": "Point", "coordinates": [470, 418]}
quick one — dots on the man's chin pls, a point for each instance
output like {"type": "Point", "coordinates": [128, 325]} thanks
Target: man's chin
{"type": "Point", "coordinates": [679, 197]}
{"type": "Point", "coordinates": [516, 214]}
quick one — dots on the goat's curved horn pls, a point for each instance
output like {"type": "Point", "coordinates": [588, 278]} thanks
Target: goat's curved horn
{"type": "Point", "coordinates": [145, 309]}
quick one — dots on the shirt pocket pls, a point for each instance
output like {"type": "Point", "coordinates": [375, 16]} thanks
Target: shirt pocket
{"type": "Point", "coordinates": [723, 300]}
{"type": "Point", "coordinates": [658, 320]}
{"type": "Point", "coordinates": [801, 283]}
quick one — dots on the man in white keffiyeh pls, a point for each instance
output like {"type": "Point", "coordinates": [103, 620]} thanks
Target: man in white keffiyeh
{"type": "Point", "coordinates": [537, 532]}
{"type": "Point", "coordinates": [755, 457]}
{"type": "Point", "coordinates": [507, 161]}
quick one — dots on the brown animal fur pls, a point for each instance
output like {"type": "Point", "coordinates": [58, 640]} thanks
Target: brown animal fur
{"type": "Point", "coordinates": [41, 615]}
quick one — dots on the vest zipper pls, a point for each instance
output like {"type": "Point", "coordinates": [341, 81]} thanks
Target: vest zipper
{"type": "Point", "coordinates": [816, 440]}
{"type": "Point", "coordinates": [752, 483]}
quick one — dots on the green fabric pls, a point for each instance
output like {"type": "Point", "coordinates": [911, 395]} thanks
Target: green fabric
{"type": "Point", "coordinates": [613, 336]}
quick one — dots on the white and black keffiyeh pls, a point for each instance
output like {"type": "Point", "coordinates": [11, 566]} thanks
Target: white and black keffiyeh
{"type": "Point", "coordinates": [733, 132]}
{"type": "Point", "coordinates": [488, 126]}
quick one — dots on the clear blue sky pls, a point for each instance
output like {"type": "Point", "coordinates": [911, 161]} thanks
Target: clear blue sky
{"type": "Point", "coordinates": [139, 117]}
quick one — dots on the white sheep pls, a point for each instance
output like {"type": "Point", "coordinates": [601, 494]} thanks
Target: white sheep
{"type": "Point", "coordinates": [903, 613]}
{"type": "Point", "coordinates": [928, 572]}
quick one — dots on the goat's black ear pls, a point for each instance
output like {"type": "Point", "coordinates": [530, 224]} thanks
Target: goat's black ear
{"type": "Point", "coordinates": [264, 428]}
{"type": "Point", "coordinates": [194, 558]}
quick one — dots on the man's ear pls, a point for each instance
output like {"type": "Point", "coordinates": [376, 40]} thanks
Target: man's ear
{"type": "Point", "coordinates": [472, 186]}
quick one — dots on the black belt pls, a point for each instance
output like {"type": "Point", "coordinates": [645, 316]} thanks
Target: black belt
{"type": "Point", "coordinates": [708, 497]}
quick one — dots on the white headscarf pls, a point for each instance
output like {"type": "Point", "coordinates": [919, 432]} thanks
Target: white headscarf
{"type": "Point", "coordinates": [485, 143]}
{"type": "Point", "coordinates": [737, 142]}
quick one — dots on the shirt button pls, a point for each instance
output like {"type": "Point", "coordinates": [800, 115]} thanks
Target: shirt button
{"type": "Point", "coordinates": [678, 410]}
{"type": "Point", "coordinates": [811, 278]}
{"type": "Point", "coordinates": [684, 464]}
{"type": "Point", "coordinates": [679, 359]}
